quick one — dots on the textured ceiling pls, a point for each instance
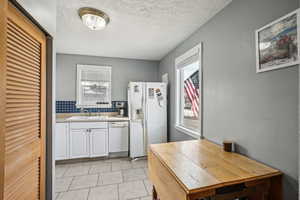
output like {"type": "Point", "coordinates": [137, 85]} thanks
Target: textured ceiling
{"type": "Point", "coordinates": [141, 29]}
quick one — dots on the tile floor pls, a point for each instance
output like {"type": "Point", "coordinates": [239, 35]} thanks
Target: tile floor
{"type": "Point", "coordinates": [112, 179]}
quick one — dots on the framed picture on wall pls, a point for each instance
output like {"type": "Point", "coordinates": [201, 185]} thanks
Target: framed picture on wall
{"type": "Point", "coordinates": [277, 44]}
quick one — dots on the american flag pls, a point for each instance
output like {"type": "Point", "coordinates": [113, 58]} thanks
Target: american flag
{"type": "Point", "coordinates": [192, 94]}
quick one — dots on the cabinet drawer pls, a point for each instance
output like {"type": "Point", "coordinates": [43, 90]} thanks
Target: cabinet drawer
{"type": "Point", "coordinates": [87, 125]}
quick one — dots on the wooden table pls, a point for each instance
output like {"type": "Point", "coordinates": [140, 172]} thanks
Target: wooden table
{"type": "Point", "coordinates": [199, 169]}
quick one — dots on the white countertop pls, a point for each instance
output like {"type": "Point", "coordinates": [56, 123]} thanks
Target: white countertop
{"type": "Point", "coordinates": [91, 119]}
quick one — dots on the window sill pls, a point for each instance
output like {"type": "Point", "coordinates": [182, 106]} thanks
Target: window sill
{"type": "Point", "coordinates": [187, 131]}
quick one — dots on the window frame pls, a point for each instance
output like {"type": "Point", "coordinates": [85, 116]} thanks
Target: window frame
{"type": "Point", "coordinates": [80, 68]}
{"type": "Point", "coordinates": [196, 50]}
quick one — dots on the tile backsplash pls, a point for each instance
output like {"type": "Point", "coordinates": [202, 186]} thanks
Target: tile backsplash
{"type": "Point", "coordinates": [70, 107]}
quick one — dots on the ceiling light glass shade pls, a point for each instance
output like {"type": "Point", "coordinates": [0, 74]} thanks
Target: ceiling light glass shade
{"type": "Point", "coordinates": [93, 22]}
{"type": "Point", "coordinates": [94, 19]}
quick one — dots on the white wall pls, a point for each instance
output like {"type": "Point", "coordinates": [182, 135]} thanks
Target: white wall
{"type": "Point", "coordinates": [44, 11]}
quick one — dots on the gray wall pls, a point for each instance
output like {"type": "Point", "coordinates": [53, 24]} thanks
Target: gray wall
{"type": "Point", "coordinates": [258, 111]}
{"type": "Point", "coordinates": [123, 71]}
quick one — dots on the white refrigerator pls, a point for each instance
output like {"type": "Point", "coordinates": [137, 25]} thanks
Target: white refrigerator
{"type": "Point", "coordinates": [147, 109]}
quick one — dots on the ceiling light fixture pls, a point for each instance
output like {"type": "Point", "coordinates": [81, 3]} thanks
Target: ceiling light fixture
{"type": "Point", "coordinates": [93, 18]}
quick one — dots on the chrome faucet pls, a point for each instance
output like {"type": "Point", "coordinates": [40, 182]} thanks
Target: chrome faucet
{"type": "Point", "coordinates": [85, 110]}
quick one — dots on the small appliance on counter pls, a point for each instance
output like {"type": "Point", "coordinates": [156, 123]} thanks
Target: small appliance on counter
{"type": "Point", "coordinates": [147, 109]}
{"type": "Point", "coordinates": [121, 107]}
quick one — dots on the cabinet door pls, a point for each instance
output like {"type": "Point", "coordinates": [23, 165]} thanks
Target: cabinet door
{"type": "Point", "coordinates": [61, 141]}
{"type": "Point", "coordinates": [118, 139]}
{"type": "Point", "coordinates": [98, 142]}
{"type": "Point", "coordinates": [79, 143]}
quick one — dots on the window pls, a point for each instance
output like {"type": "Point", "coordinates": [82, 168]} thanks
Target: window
{"type": "Point", "coordinates": [188, 92]}
{"type": "Point", "coordinates": [93, 86]}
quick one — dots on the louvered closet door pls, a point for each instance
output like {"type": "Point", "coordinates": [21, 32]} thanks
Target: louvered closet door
{"type": "Point", "coordinates": [24, 172]}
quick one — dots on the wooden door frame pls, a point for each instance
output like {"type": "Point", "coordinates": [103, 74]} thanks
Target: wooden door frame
{"type": "Point", "coordinates": [49, 94]}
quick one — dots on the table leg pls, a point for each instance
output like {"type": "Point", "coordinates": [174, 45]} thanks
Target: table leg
{"type": "Point", "coordinates": [257, 196]}
{"type": "Point", "coordinates": [154, 193]}
{"type": "Point", "coordinates": [275, 192]}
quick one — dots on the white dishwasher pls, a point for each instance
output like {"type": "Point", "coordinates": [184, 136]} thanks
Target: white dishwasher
{"type": "Point", "coordinates": [118, 137]}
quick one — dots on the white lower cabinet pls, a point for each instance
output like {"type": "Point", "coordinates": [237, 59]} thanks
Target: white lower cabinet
{"type": "Point", "coordinates": [79, 143]}
{"type": "Point", "coordinates": [89, 139]}
{"type": "Point", "coordinates": [98, 142]}
{"type": "Point", "coordinates": [61, 141]}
